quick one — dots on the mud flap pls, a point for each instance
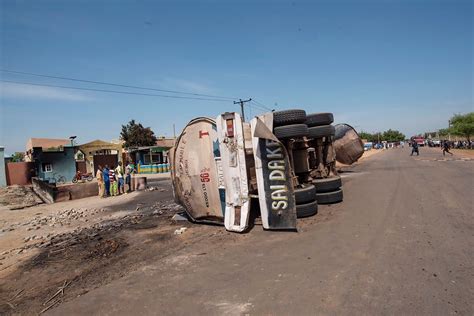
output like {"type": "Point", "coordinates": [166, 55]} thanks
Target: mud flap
{"type": "Point", "coordinates": [275, 185]}
{"type": "Point", "coordinates": [234, 171]}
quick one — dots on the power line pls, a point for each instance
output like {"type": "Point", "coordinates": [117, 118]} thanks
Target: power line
{"type": "Point", "coordinates": [264, 109]}
{"type": "Point", "coordinates": [263, 105]}
{"type": "Point", "coordinates": [113, 91]}
{"type": "Point", "coordinates": [113, 84]}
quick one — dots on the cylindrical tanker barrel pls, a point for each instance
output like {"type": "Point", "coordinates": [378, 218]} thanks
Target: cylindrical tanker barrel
{"type": "Point", "coordinates": [195, 165]}
{"type": "Point", "coordinates": [160, 168]}
{"type": "Point", "coordinates": [154, 168]}
{"type": "Point", "coordinates": [348, 144]}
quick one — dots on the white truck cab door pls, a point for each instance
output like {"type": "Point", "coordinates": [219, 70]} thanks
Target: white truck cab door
{"type": "Point", "coordinates": [234, 170]}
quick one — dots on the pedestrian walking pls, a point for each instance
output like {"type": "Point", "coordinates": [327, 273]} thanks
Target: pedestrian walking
{"type": "Point", "coordinates": [414, 148]}
{"type": "Point", "coordinates": [113, 182]}
{"type": "Point", "coordinates": [446, 148]}
{"type": "Point", "coordinates": [105, 176]}
{"type": "Point", "coordinates": [119, 174]}
{"type": "Point", "coordinates": [100, 181]}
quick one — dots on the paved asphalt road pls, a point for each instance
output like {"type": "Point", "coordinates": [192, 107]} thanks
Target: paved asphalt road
{"type": "Point", "coordinates": [402, 243]}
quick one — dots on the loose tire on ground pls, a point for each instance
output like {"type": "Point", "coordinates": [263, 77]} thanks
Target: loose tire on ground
{"type": "Point", "coordinates": [289, 117]}
{"type": "Point", "coordinates": [321, 131]}
{"type": "Point", "coordinates": [308, 209]}
{"type": "Point", "coordinates": [305, 194]}
{"type": "Point", "coordinates": [329, 197]}
{"type": "Point", "coordinates": [318, 119]}
{"type": "Point", "coordinates": [327, 184]}
{"type": "Point", "coordinates": [291, 131]}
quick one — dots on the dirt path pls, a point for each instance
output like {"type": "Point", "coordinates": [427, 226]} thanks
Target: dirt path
{"type": "Point", "coordinates": [401, 243]}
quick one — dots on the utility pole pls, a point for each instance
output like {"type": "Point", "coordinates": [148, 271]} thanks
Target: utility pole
{"type": "Point", "coordinates": [449, 130]}
{"type": "Point", "coordinates": [241, 102]}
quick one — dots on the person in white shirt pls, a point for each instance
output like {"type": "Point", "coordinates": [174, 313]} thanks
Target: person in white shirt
{"type": "Point", "coordinates": [119, 174]}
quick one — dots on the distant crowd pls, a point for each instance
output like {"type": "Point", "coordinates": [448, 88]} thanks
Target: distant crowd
{"type": "Point", "coordinates": [112, 180]}
{"type": "Point", "coordinates": [445, 145]}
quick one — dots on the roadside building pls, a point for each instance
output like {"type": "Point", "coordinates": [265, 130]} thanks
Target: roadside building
{"type": "Point", "coordinates": [54, 165]}
{"type": "Point", "coordinates": [98, 152]}
{"type": "Point", "coordinates": [3, 176]}
{"type": "Point", "coordinates": [53, 159]}
{"type": "Point", "coordinates": [47, 144]}
{"type": "Point", "coordinates": [152, 159]}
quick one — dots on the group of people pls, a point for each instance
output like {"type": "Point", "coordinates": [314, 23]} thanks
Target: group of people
{"type": "Point", "coordinates": [445, 146]}
{"type": "Point", "coordinates": [112, 180]}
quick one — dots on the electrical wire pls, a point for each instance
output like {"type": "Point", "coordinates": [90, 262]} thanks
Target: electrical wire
{"type": "Point", "coordinates": [262, 105]}
{"type": "Point", "coordinates": [113, 91]}
{"type": "Point", "coordinates": [113, 84]}
{"type": "Point", "coordinates": [263, 109]}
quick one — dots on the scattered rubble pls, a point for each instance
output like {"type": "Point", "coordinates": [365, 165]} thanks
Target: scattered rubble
{"type": "Point", "coordinates": [18, 197]}
{"type": "Point", "coordinates": [61, 218]}
{"type": "Point", "coordinates": [150, 188]}
{"type": "Point", "coordinates": [59, 242]}
{"type": "Point", "coordinates": [178, 217]}
{"type": "Point", "coordinates": [180, 231]}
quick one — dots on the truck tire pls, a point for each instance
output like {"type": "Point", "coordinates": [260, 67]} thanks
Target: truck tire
{"type": "Point", "coordinates": [318, 119]}
{"type": "Point", "coordinates": [291, 131]}
{"type": "Point", "coordinates": [305, 194]}
{"type": "Point", "coordinates": [321, 131]}
{"type": "Point", "coordinates": [288, 117]}
{"type": "Point", "coordinates": [306, 210]}
{"type": "Point", "coordinates": [327, 184]}
{"type": "Point", "coordinates": [329, 197]}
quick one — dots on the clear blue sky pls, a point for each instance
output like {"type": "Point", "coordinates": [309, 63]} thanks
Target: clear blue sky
{"type": "Point", "coordinates": [404, 65]}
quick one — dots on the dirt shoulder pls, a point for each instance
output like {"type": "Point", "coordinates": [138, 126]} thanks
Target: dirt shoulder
{"type": "Point", "coordinates": [131, 233]}
{"type": "Point", "coordinates": [79, 244]}
{"type": "Point", "coordinates": [367, 154]}
{"type": "Point", "coordinates": [468, 153]}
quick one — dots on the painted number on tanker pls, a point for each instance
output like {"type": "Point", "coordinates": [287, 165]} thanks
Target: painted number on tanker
{"type": "Point", "coordinates": [205, 177]}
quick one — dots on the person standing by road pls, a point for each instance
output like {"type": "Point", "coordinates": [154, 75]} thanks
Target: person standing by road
{"type": "Point", "coordinates": [105, 176]}
{"type": "Point", "coordinates": [446, 148]}
{"type": "Point", "coordinates": [128, 177]}
{"type": "Point", "coordinates": [100, 181]}
{"type": "Point", "coordinates": [113, 182]}
{"type": "Point", "coordinates": [119, 173]}
{"type": "Point", "coordinates": [414, 148]}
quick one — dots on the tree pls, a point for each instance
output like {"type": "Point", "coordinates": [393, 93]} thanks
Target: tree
{"type": "Point", "coordinates": [367, 136]}
{"type": "Point", "coordinates": [18, 157]}
{"type": "Point", "coordinates": [444, 132]}
{"type": "Point", "coordinates": [135, 135]}
{"type": "Point", "coordinates": [393, 136]}
{"type": "Point", "coordinates": [463, 125]}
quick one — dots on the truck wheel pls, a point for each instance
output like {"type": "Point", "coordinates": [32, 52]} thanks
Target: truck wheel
{"type": "Point", "coordinates": [289, 117]}
{"type": "Point", "coordinates": [321, 131]}
{"type": "Point", "coordinates": [305, 210]}
{"type": "Point", "coordinates": [305, 194]}
{"type": "Point", "coordinates": [291, 131]}
{"type": "Point", "coordinates": [318, 119]}
{"type": "Point", "coordinates": [329, 197]}
{"type": "Point", "coordinates": [327, 184]}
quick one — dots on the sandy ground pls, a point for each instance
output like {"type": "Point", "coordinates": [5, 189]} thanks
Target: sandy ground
{"type": "Point", "coordinates": [367, 154]}
{"type": "Point", "coordinates": [398, 244]}
{"type": "Point", "coordinates": [463, 152]}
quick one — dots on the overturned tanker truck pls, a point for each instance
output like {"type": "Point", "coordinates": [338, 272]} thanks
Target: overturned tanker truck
{"type": "Point", "coordinates": [278, 166]}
